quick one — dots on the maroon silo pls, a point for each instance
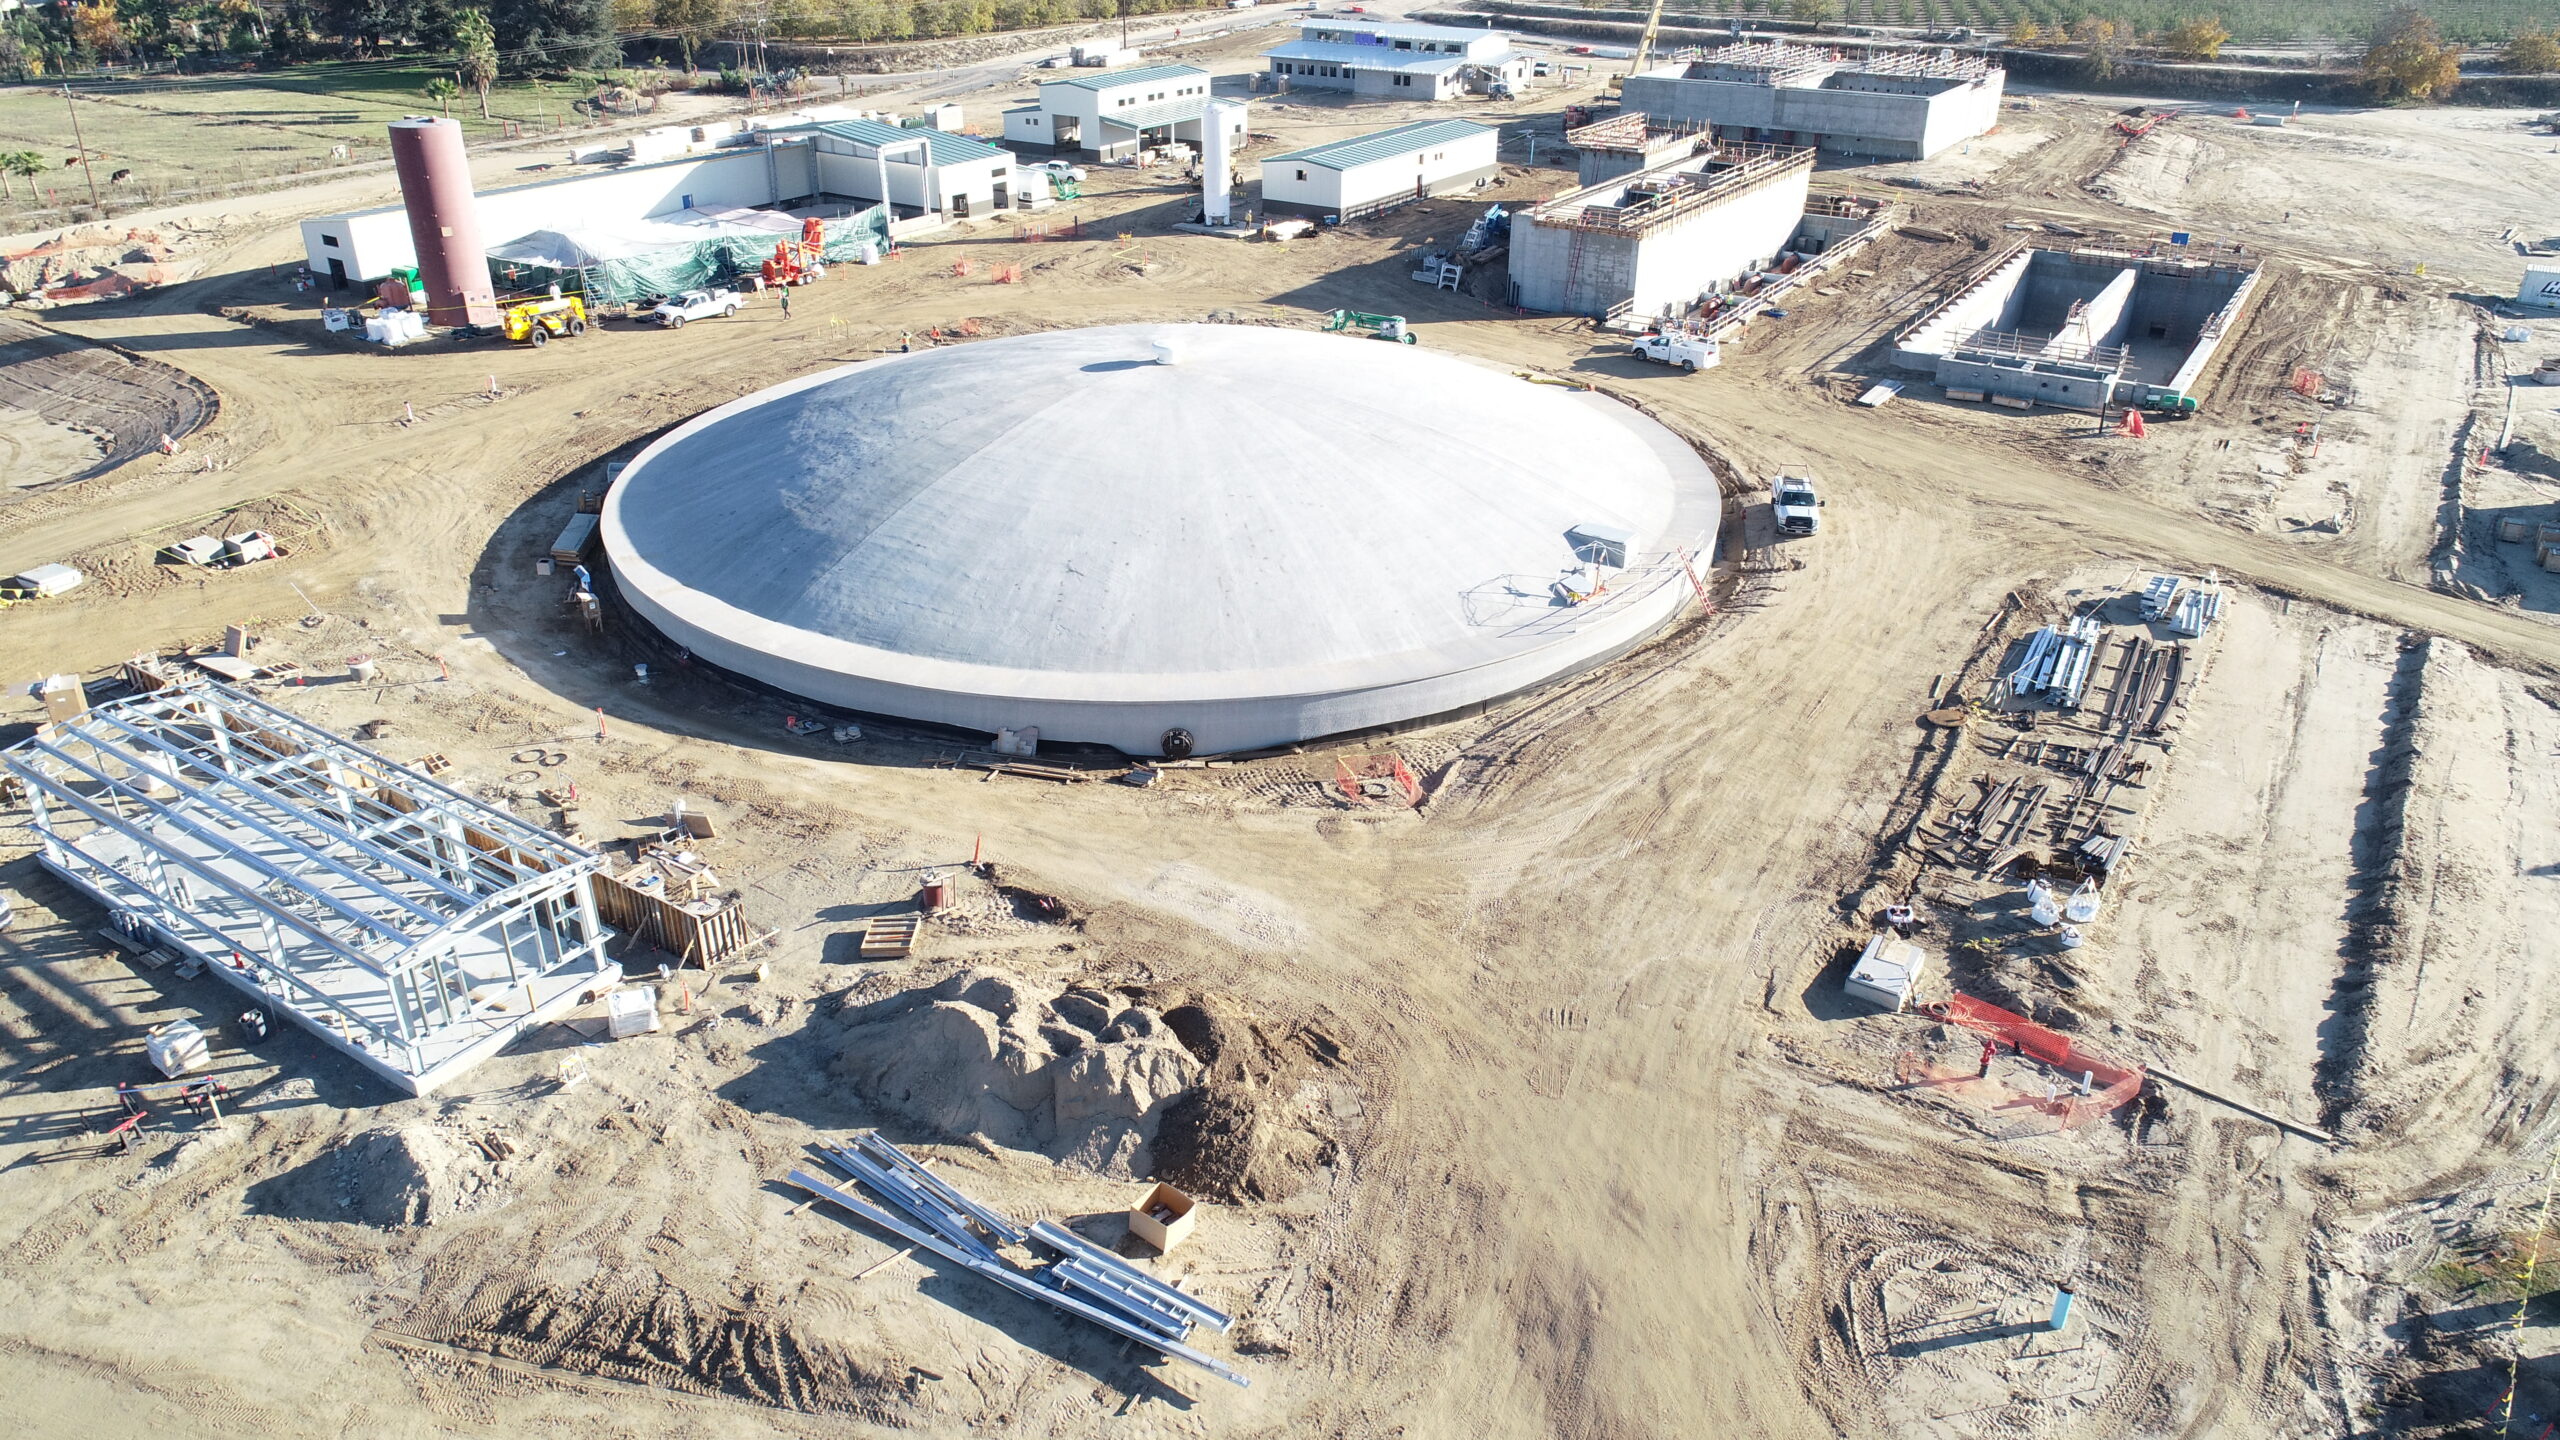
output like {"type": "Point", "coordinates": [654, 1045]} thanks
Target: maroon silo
{"type": "Point", "coordinates": [444, 220]}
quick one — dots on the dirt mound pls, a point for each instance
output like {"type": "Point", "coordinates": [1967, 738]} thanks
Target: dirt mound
{"type": "Point", "coordinates": [1243, 1134]}
{"type": "Point", "coordinates": [1080, 1073]}
{"type": "Point", "coordinates": [405, 1176]}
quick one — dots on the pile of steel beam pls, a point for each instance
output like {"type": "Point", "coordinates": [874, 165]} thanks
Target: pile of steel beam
{"type": "Point", "coordinates": [2159, 596]}
{"type": "Point", "coordinates": [2195, 610]}
{"type": "Point", "coordinates": [2057, 662]}
{"type": "Point", "coordinates": [1085, 1279]}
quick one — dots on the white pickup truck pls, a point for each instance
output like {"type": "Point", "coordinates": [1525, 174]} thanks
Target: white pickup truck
{"type": "Point", "coordinates": [1686, 352]}
{"type": "Point", "coordinates": [697, 305]}
{"type": "Point", "coordinates": [1797, 508]}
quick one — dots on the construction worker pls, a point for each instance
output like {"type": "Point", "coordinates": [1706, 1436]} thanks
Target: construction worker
{"type": "Point", "coordinates": [906, 342]}
{"type": "Point", "coordinates": [1989, 1049]}
{"type": "Point", "coordinates": [786, 302]}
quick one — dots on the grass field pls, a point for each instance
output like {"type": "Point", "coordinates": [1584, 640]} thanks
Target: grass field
{"type": "Point", "coordinates": [2344, 21]}
{"type": "Point", "coordinates": [182, 135]}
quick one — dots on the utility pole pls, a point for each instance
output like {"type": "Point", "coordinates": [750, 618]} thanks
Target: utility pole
{"type": "Point", "coordinates": [85, 167]}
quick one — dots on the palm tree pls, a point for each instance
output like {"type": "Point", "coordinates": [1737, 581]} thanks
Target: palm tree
{"type": "Point", "coordinates": [475, 45]}
{"type": "Point", "coordinates": [26, 165]}
{"type": "Point", "coordinates": [442, 90]}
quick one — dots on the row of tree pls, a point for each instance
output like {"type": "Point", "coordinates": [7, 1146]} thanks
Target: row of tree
{"type": "Point", "coordinates": [529, 35]}
{"type": "Point", "coordinates": [2409, 58]}
{"type": "Point", "coordinates": [533, 36]}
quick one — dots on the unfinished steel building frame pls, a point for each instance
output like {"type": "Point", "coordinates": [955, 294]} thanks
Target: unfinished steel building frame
{"type": "Point", "coordinates": [410, 927]}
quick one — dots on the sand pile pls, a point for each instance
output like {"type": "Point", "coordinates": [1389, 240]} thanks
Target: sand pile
{"type": "Point", "coordinates": [410, 1175]}
{"type": "Point", "coordinates": [93, 263]}
{"type": "Point", "coordinates": [1079, 1074]}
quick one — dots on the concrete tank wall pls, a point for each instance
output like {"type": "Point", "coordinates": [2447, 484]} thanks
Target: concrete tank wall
{"type": "Point", "coordinates": [1889, 122]}
{"type": "Point", "coordinates": [1671, 265]}
{"type": "Point", "coordinates": [1667, 95]}
{"type": "Point", "coordinates": [2072, 389]}
{"type": "Point", "coordinates": [2055, 283]}
{"type": "Point", "coordinates": [1542, 263]}
{"type": "Point", "coordinates": [2178, 305]}
{"type": "Point", "coordinates": [1599, 165]}
{"type": "Point", "coordinates": [1979, 308]}
{"type": "Point", "coordinates": [1674, 266]}
{"type": "Point", "coordinates": [1960, 114]}
{"type": "Point", "coordinates": [444, 221]}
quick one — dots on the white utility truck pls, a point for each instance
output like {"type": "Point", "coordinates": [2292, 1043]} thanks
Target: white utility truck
{"type": "Point", "coordinates": [1686, 352]}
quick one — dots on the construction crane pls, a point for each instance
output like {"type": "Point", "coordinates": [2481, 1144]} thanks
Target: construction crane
{"type": "Point", "coordinates": [1644, 48]}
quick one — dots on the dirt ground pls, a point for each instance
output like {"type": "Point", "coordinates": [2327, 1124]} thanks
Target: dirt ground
{"type": "Point", "coordinates": [1554, 1120]}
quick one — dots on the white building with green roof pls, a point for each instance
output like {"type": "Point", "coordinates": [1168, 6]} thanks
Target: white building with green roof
{"type": "Point", "coordinates": [918, 171]}
{"type": "Point", "coordinates": [1116, 113]}
{"type": "Point", "coordinates": [1367, 173]}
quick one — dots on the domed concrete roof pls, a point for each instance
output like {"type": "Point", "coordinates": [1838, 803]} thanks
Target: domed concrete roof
{"type": "Point", "coordinates": [1280, 534]}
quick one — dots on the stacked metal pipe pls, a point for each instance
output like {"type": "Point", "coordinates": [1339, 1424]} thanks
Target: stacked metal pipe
{"type": "Point", "coordinates": [1084, 1279]}
{"type": "Point", "coordinates": [2057, 662]}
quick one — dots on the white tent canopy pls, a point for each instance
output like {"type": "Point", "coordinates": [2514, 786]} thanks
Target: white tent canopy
{"type": "Point", "coordinates": [595, 244]}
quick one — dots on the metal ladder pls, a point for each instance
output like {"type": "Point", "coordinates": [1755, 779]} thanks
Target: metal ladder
{"type": "Point", "coordinates": [1572, 270]}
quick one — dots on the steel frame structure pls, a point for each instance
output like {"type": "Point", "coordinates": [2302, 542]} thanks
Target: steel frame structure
{"type": "Point", "coordinates": [407, 925]}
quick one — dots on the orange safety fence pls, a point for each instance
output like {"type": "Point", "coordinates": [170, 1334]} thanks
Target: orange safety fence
{"type": "Point", "coordinates": [2057, 1104]}
{"type": "Point", "coordinates": [1377, 780]}
{"type": "Point", "coordinates": [110, 286]}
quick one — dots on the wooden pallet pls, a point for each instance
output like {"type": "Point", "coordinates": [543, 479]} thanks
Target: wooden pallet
{"type": "Point", "coordinates": [995, 764]}
{"type": "Point", "coordinates": [890, 937]}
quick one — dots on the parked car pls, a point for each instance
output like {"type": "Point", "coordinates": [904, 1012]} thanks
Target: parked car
{"type": "Point", "coordinates": [1060, 170]}
{"type": "Point", "coordinates": [697, 305]}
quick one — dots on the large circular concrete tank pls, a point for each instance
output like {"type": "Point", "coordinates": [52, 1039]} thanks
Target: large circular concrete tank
{"type": "Point", "coordinates": [1247, 535]}
{"type": "Point", "coordinates": [444, 220]}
